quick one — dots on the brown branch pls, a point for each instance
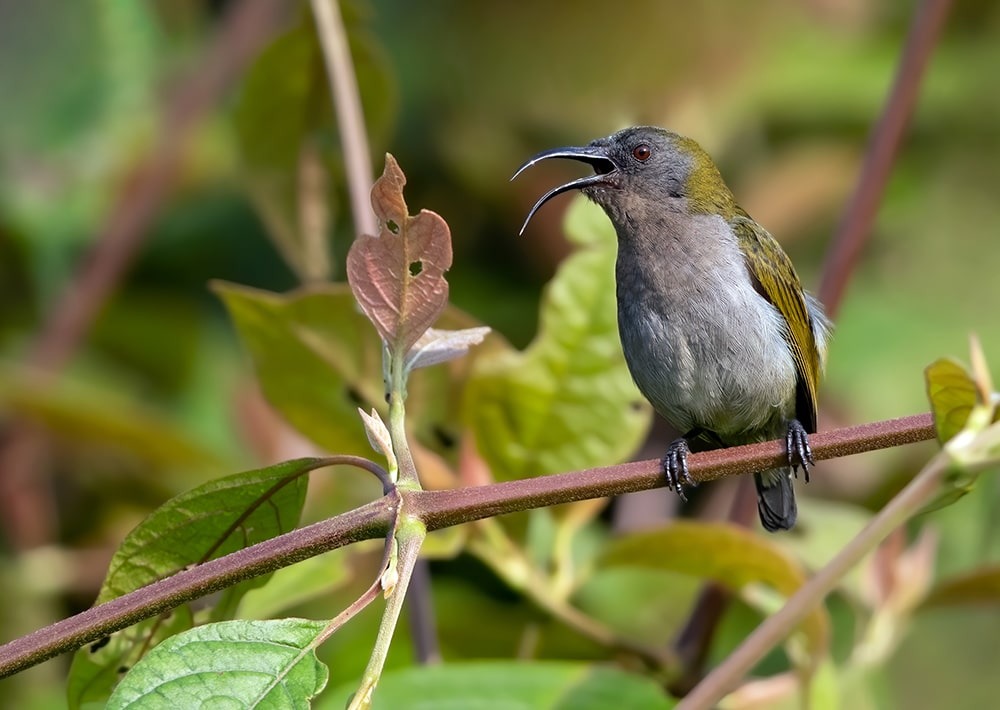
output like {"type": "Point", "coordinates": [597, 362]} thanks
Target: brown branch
{"type": "Point", "coordinates": [883, 146]}
{"type": "Point", "coordinates": [437, 509]}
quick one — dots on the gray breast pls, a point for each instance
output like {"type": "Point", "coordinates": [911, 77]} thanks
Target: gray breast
{"type": "Point", "coordinates": [704, 347]}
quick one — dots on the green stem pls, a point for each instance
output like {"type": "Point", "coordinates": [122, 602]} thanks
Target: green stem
{"type": "Point", "coordinates": [410, 536]}
{"type": "Point", "coordinates": [408, 479]}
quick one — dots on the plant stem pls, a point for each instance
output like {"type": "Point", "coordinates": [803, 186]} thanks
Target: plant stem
{"type": "Point", "coordinates": [347, 104]}
{"type": "Point", "coordinates": [774, 629]}
{"type": "Point", "coordinates": [410, 536]}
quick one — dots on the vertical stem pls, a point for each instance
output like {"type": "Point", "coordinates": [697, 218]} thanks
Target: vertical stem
{"type": "Point", "coordinates": [423, 626]}
{"type": "Point", "coordinates": [397, 424]}
{"type": "Point", "coordinates": [347, 105]}
{"type": "Point", "coordinates": [410, 535]}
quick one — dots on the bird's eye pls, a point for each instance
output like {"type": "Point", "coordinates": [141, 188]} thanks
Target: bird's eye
{"type": "Point", "coordinates": [641, 152]}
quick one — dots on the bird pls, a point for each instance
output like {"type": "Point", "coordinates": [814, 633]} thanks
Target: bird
{"type": "Point", "coordinates": [717, 331]}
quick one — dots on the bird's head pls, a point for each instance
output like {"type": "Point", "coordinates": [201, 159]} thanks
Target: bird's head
{"type": "Point", "coordinates": [641, 165]}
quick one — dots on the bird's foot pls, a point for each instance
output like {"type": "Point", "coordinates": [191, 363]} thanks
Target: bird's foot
{"type": "Point", "coordinates": [797, 446]}
{"type": "Point", "coordinates": [676, 468]}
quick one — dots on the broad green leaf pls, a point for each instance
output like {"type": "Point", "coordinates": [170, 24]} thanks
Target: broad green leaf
{"type": "Point", "coordinates": [647, 605]}
{"type": "Point", "coordinates": [210, 521]}
{"type": "Point", "coordinates": [509, 685]}
{"type": "Point", "coordinates": [952, 393]}
{"type": "Point", "coordinates": [981, 586]}
{"type": "Point", "coordinates": [98, 667]}
{"type": "Point", "coordinates": [318, 360]}
{"type": "Point", "coordinates": [316, 357]}
{"type": "Point", "coordinates": [304, 581]}
{"type": "Point", "coordinates": [397, 276]}
{"type": "Point", "coordinates": [567, 402]}
{"type": "Point", "coordinates": [727, 554]}
{"type": "Point", "coordinates": [233, 664]}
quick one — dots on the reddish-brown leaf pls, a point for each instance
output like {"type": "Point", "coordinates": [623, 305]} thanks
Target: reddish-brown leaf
{"type": "Point", "coordinates": [398, 276]}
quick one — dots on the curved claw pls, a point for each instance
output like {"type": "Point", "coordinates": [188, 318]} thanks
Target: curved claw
{"type": "Point", "coordinates": [676, 469]}
{"type": "Point", "coordinates": [799, 451]}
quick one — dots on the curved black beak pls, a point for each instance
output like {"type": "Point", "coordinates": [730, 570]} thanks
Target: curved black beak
{"type": "Point", "coordinates": [594, 155]}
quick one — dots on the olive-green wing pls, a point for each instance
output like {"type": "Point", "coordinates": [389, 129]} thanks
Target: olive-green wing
{"type": "Point", "coordinates": [775, 279]}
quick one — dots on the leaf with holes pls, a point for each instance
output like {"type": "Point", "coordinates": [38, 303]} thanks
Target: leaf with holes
{"type": "Point", "coordinates": [398, 276]}
{"type": "Point", "coordinates": [234, 664]}
{"type": "Point", "coordinates": [318, 361]}
{"type": "Point", "coordinates": [209, 521]}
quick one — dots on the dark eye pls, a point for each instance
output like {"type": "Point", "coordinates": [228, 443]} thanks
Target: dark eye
{"type": "Point", "coordinates": [641, 152]}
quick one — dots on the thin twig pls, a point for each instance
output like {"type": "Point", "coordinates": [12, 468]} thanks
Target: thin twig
{"type": "Point", "coordinates": [883, 146]}
{"type": "Point", "coordinates": [437, 509]}
{"type": "Point", "coordinates": [347, 104]}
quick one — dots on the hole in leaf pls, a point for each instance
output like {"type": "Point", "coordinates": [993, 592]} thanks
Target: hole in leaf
{"type": "Point", "coordinates": [393, 227]}
{"type": "Point", "coordinates": [444, 437]}
{"type": "Point", "coordinates": [354, 396]}
{"type": "Point", "coordinates": [416, 267]}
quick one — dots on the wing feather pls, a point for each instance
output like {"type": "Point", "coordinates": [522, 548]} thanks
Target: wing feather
{"type": "Point", "coordinates": [774, 278]}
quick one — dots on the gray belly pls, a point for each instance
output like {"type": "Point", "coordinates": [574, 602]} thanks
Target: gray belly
{"type": "Point", "coordinates": [723, 364]}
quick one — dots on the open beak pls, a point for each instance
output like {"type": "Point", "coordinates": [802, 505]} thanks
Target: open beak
{"type": "Point", "coordinates": [594, 155]}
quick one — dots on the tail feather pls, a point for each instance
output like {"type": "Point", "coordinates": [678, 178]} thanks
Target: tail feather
{"type": "Point", "coordinates": [776, 499]}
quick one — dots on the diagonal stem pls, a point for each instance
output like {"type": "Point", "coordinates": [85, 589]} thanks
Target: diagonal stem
{"type": "Point", "coordinates": [883, 145]}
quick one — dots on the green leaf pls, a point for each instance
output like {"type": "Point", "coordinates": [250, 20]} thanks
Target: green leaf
{"type": "Point", "coordinates": [508, 685]}
{"type": "Point", "coordinates": [233, 664]}
{"type": "Point", "coordinates": [952, 393]}
{"type": "Point", "coordinates": [318, 360]}
{"type": "Point", "coordinates": [727, 554]}
{"type": "Point", "coordinates": [568, 401]}
{"type": "Point", "coordinates": [980, 586]}
{"type": "Point", "coordinates": [98, 667]}
{"type": "Point", "coordinates": [210, 521]}
{"type": "Point", "coordinates": [304, 581]}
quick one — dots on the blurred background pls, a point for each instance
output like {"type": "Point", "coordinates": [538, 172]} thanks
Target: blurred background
{"type": "Point", "coordinates": [172, 141]}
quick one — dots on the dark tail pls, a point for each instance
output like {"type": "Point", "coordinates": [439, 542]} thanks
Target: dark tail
{"type": "Point", "coordinates": [776, 499]}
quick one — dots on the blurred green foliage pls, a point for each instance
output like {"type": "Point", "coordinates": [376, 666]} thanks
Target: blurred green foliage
{"type": "Point", "coordinates": [160, 397]}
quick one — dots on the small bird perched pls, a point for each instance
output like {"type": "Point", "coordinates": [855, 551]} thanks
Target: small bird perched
{"type": "Point", "coordinates": [717, 332]}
